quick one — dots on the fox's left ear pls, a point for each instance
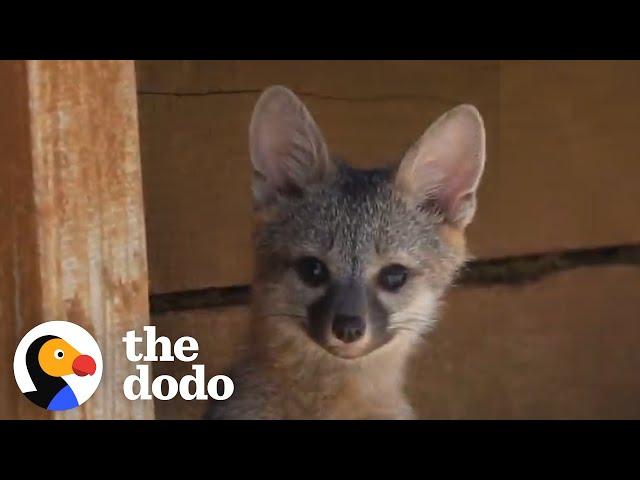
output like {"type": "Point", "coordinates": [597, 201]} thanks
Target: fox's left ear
{"type": "Point", "coordinates": [288, 151]}
{"type": "Point", "coordinates": [443, 168]}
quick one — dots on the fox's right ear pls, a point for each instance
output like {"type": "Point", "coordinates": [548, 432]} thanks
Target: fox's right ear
{"type": "Point", "coordinates": [288, 151]}
{"type": "Point", "coordinates": [444, 167]}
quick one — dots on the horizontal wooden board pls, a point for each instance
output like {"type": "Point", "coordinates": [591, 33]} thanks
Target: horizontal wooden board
{"type": "Point", "coordinates": [567, 171]}
{"type": "Point", "coordinates": [444, 81]}
{"type": "Point", "coordinates": [564, 347]}
{"type": "Point", "coordinates": [194, 147]}
{"type": "Point", "coordinates": [562, 156]}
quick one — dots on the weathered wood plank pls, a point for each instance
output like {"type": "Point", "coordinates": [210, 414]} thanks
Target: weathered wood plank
{"type": "Point", "coordinates": [90, 253]}
{"type": "Point", "coordinates": [20, 292]}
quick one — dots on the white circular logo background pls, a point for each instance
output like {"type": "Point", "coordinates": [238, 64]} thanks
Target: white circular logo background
{"type": "Point", "coordinates": [78, 338]}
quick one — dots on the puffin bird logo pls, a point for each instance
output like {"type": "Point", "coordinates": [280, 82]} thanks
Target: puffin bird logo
{"type": "Point", "coordinates": [58, 365]}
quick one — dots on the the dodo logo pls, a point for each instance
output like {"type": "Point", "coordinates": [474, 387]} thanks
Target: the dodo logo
{"type": "Point", "coordinates": [58, 365]}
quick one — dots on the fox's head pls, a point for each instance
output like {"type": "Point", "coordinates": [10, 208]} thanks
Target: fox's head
{"type": "Point", "coordinates": [353, 259]}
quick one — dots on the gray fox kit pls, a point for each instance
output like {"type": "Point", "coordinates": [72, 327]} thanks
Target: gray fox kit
{"type": "Point", "coordinates": [350, 264]}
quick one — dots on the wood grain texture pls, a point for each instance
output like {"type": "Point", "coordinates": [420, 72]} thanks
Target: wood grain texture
{"type": "Point", "coordinates": [88, 214]}
{"type": "Point", "coordinates": [20, 286]}
{"type": "Point", "coordinates": [194, 120]}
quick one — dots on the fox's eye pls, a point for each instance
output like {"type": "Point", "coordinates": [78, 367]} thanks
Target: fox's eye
{"type": "Point", "coordinates": [392, 277]}
{"type": "Point", "coordinates": [58, 354]}
{"type": "Point", "coordinates": [312, 271]}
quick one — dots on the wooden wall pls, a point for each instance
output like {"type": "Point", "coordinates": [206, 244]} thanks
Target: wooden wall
{"type": "Point", "coordinates": [562, 173]}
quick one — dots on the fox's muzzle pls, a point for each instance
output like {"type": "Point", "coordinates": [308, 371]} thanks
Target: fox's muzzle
{"type": "Point", "coordinates": [347, 320]}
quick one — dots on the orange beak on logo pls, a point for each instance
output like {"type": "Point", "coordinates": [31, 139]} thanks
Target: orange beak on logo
{"type": "Point", "coordinates": [84, 365]}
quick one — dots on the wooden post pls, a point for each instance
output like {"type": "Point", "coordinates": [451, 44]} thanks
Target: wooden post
{"type": "Point", "coordinates": [72, 241]}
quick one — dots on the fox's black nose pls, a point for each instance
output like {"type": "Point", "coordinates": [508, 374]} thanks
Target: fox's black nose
{"type": "Point", "coordinates": [348, 328]}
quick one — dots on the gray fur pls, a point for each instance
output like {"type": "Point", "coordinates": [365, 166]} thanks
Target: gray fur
{"type": "Point", "coordinates": [358, 214]}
